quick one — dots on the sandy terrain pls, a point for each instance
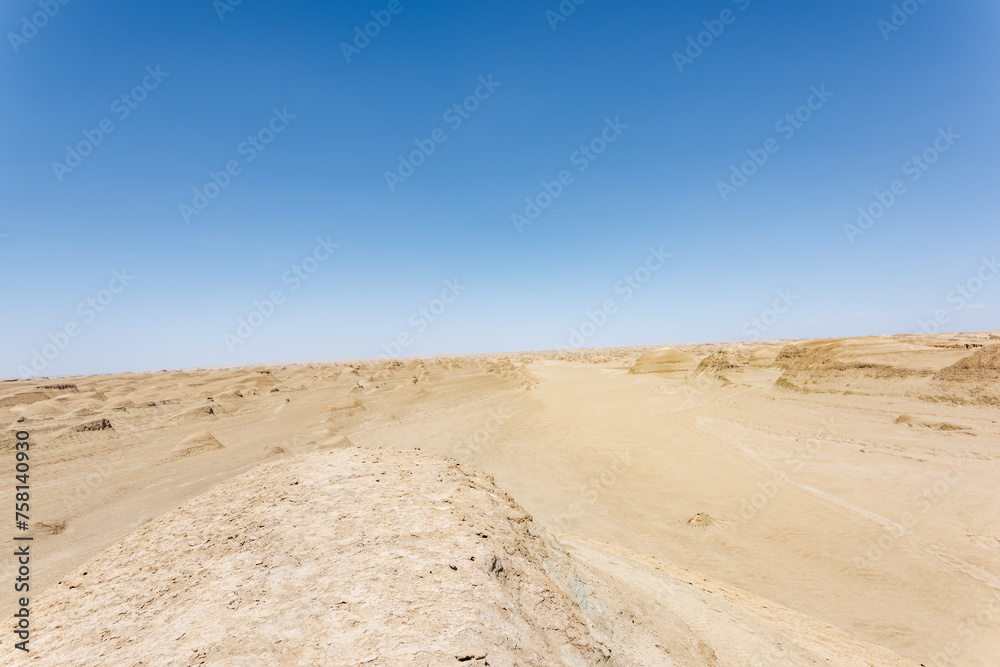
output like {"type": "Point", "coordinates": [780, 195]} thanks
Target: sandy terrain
{"type": "Point", "coordinates": [806, 502]}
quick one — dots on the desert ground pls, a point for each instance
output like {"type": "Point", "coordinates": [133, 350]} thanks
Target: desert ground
{"type": "Point", "coordinates": [815, 502]}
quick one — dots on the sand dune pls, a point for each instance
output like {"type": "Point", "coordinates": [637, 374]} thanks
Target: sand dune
{"type": "Point", "coordinates": [781, 502]}
{"type": "Point", "coordinates": [667, 360]}
{"type": "Point", "coordinates": [197, 443]}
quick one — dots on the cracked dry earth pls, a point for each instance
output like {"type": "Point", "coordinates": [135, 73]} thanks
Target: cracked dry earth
{"type": "Point", "coordinates": [346, 557]}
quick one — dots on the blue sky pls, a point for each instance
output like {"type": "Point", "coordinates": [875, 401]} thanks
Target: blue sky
{"type": "Point", "coordinates": [190, 279]}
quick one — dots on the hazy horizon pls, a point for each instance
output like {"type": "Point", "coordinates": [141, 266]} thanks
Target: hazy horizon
{"type": "Point", "coordinates": [205, 184]}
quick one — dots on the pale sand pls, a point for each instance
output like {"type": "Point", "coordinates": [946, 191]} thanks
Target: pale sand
{"type": "Point", "coordinates": [826, 502]}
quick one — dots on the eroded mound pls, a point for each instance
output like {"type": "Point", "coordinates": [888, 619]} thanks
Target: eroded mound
{"type": "Point", "coordinates": [667, 360]}
{"type": "Point", "coordinates": [982, 365]}
{"type": "Point", "coordinates": [345, 557]}
{"type": "Point", "coordinates": [196, 443]}
{"type": "Point", "coordinates": [339, 441]}
{"type": "Point", "coordinates": [931, 369]}
{"type": "Point", "coordinates": [722, 362]}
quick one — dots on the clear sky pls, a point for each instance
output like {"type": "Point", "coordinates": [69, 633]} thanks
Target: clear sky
{"type": "Point", "coordinates": [553, 155]}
